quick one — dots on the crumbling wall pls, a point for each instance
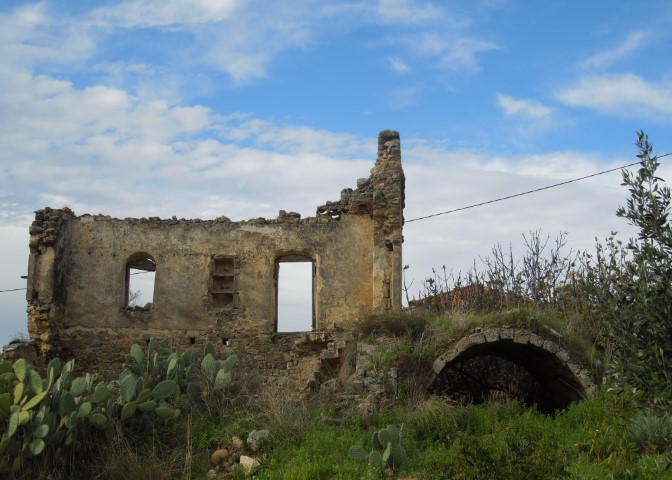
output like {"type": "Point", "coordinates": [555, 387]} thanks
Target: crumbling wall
{"type": "Point", "coordinates": [216, 280]}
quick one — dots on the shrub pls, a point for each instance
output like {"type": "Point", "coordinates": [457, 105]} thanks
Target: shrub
{"type": "Point", "coordinates": [639, 326]}
{"type": "Point", "coordinates": [651, 432]}
{"type": "Point", "coordinates": [404, 324]}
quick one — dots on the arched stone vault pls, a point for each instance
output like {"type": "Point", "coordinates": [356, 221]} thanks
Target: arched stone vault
{"type": "Point", "coordinates": [567, 379]}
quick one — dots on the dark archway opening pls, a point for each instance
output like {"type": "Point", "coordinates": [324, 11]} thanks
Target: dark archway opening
{"type": "Point", "coordinates": [509, 371]}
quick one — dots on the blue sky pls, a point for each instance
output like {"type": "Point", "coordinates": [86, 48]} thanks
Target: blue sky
{"type": "Point", "coordinates": [202, 108]}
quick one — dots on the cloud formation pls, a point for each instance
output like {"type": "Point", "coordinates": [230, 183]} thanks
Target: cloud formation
{"type": "Point", "coordinates": [449, 50]}
{"type": "Point", "coordinates": [523, 107]}
{"type": "Point", "coordinates": [398, 65]}
{"type": "Point", "coordinates": [633, 42]}
{"type": "Point", "coordinates": [625, 95]}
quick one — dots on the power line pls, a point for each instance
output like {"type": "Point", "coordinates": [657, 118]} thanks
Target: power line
{"type": "Point", "coordinates": [25, 288]}
{"type": "Point", "coordinates": [527, 192]}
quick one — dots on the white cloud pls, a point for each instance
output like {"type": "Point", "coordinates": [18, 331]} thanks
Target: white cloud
{"type": "Point", "coordinates": [633, 42]}
{"type": "Point", "coordinates": [453, 51]}
{"type": "Point", "coordinates": [239, 38]}
{"type": "Point", "coordinates": [150, 82]}
{"type": "Point", "coordinates": [551, 167]}
{"type": "Point", "coordinates": [165, 13]}
{"type": "Point", "coordinates": [30, 35]}
{"type": "Point", "coordinates": [398, 65]}
{"type": "Point", "coordinates": [244, 38]}
{"type": "Point", "coordinates": [295, 139]}
{"type": "Point", "coordinates": [407, 12]}
{"type": "Point", "coordinates": [523, 107]}
{"type": "Point", "coordinates": [100, 149]}
{"type": "Point", "coordinates": [624, 95]}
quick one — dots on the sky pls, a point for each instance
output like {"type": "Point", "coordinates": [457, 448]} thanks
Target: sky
{"type": "Point", "coordinates": [203, 108]}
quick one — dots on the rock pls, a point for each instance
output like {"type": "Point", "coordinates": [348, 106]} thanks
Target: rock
{"type": "Point", "coordinates": [212, 475]}
{"type": "Point", "coordinates": [256, 437]}
{"type": "Point", "coordinates": [237, 443]}
{"type": "Point", "coordinates": [249, 464]}
{"type": "Point", "coordinates": [219, 456]}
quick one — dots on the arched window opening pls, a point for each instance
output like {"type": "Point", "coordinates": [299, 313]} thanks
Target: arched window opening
{"type": "Point", "coordinates": [295, 285]}
{"type": "Point", "coordinates": [140, 280]}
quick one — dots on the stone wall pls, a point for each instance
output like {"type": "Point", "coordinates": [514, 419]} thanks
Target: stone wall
{"type": "Point", "coordinates": [216, 280]}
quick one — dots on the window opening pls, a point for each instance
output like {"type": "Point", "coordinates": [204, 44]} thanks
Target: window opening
{"type": "Point", "coordinates": [295, 287]}
{"type": "Point", "coordinates": [140, 282]}
{"type": "Point", "coordinates": [222, 286]}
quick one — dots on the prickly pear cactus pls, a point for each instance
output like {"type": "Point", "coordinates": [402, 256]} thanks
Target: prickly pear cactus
{"type": "Point", "coordinates": [38, 413]}
{"type": "Point", "coordinates": [387, 452]}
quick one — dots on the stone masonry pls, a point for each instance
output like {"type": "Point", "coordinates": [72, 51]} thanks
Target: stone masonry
{"type": "Point", "coordinates": [216, 280]}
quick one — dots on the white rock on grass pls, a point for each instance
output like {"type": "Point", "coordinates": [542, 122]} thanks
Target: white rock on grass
{"type": "Point", "coordinates": [249, 464]}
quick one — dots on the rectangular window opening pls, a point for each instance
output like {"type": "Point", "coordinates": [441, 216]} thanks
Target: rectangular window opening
{"type": "Point", "coordinates": [295, 303]}
{"type": "Point", "coordinates": [140, 288]}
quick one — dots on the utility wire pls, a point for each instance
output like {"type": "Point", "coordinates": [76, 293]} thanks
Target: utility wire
{"type": "Point", "coordinates": [527, 192]}
{"type": "Point", "coordinates": [25, 288]}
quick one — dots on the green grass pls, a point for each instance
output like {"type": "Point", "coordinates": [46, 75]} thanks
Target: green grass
{"type": "Point", "coordinates": [592, 439]}
{"type": "Point", "coordinates": [321, 454]}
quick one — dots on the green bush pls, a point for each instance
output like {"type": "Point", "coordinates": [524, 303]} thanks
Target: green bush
{"type": "Point", "coordinates": [434, 420]}
{"type": "Point", "coordinates": [651, 432]}
{"type": "Point", "coordinates": [639, 326]}
{"type": "Point", "coordinates": [403, 324]}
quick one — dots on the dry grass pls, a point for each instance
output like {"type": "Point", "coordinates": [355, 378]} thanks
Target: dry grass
{"type": "Point", "coordinates": [140, 458]}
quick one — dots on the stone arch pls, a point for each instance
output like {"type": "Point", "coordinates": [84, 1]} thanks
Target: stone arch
{"type": "Point", "coordinates": [566, 379]}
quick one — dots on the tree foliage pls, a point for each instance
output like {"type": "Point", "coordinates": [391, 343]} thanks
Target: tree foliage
{"type": "Point", "coordinates": [640, 325]}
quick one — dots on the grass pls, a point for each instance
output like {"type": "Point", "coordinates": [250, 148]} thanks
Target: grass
{"type": "Point", "coordinates": [444, 441]}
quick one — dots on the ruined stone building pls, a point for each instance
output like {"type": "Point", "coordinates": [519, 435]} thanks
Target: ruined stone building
{"type": "Point", "coordinates": [217, 279]}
